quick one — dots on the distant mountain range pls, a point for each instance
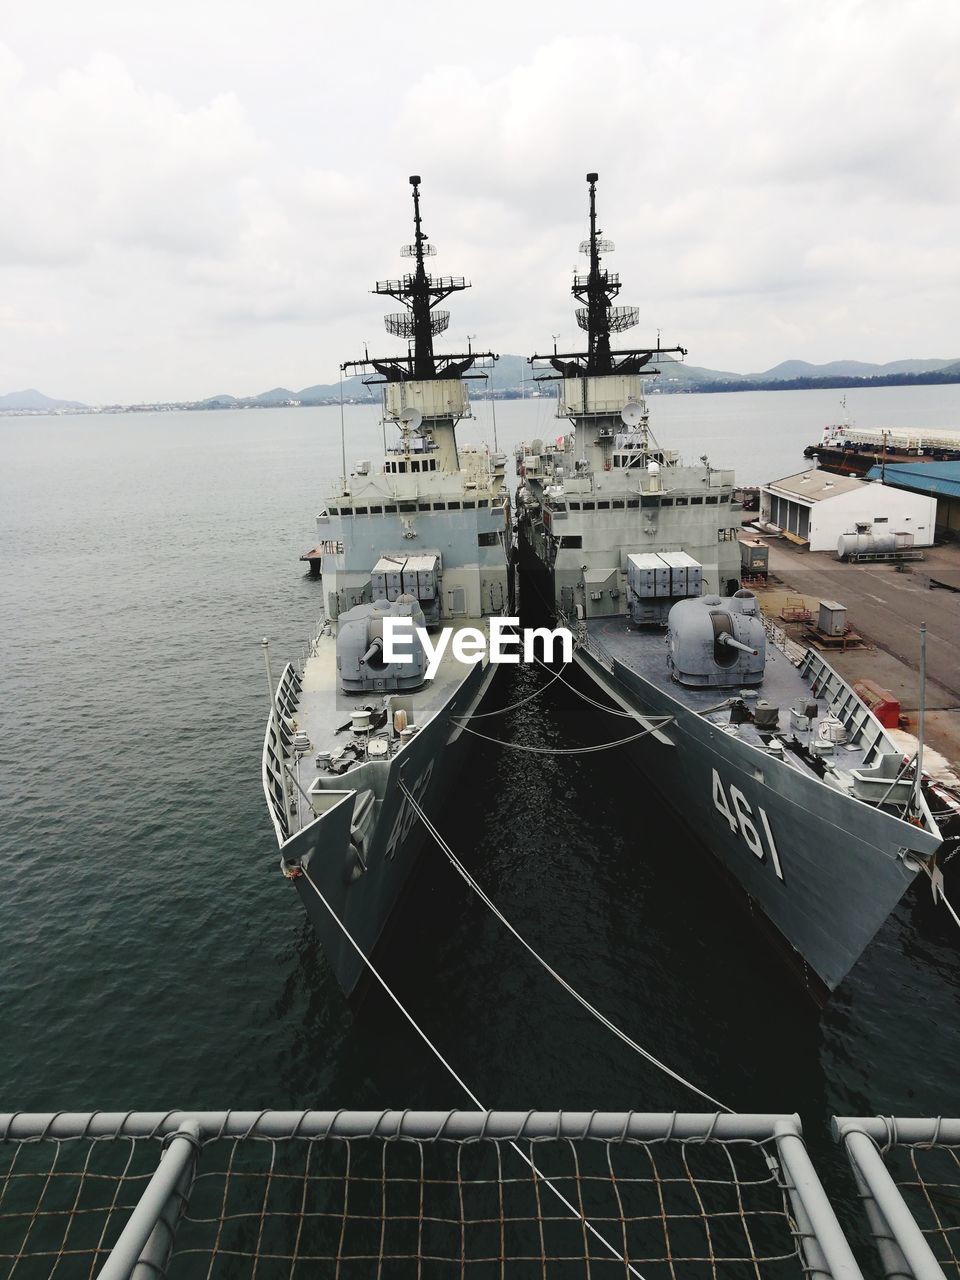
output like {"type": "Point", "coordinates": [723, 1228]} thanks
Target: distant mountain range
{"type": "Point", "coordinates": [36, 401]}
{"type": "Point", "coordinates": [510, 372]}
{"type": "Point", "coordinates": [690, 376]}
{"type": "Point", "coordinates": [505, 375]}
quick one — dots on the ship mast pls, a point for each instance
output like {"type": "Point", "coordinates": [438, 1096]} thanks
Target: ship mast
{"type": "Point", "coordinates": [423, 392]}
{"type": "Point", "coordinates": [421, 297]}
{"type": "Point", "coordinates": [599, 294]}
{"type": "Point", "coordinates": [596, 292]}
{"type": "Point", "coordinates": [420, 293]}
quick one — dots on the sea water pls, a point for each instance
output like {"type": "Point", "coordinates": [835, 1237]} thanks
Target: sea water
{"type": "Point", "coordinates": [151, 954]}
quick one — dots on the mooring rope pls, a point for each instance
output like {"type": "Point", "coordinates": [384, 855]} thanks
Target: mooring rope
{"type": "Point", "coordinates": [600, 706]}
{"type": "Point", "coordinates": [938, 893]}
{"type": "Point", "coordinates": [502, 711]}
{"type": "Point", "coordinates": [581, 1000]}
{"type": "Point", "coordinates": [558, 675]}
{"type": "Point", "coordinates": [568, 751]}
{"type": "Point", "coordinates": [375, 972]}
{"type": "Point", "coordinates": [949, 905]}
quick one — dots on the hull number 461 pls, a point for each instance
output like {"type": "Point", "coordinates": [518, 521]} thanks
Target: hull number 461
{"type": "Point", "coordinates": [740, 816]}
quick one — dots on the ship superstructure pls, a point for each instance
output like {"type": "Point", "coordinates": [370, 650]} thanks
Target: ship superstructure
{"type": "Point", "coordinates": [425, 537]}
{"type": "Point", "coordinates": [758, 745]}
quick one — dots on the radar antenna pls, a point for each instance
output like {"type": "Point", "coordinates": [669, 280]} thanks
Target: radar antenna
{"type": "Point", "coordinates": [597, 290]}
{"type": "Point", "coordinates": [420, 322]}
{"type": "Point", "coordinates": [599, 317]}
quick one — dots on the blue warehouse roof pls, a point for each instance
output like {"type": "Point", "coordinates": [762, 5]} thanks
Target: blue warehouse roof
{"type": "Point", "coordinates": [938, 479]}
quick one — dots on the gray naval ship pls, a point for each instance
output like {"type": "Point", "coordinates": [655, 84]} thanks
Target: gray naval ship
{"type": "Point", "coordinates": [759, 746]}
{"type": "Point", "coordinates": [425, 537]}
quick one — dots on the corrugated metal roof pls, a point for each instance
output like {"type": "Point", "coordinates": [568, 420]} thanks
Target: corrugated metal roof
{"type": "Point", "coordinates": [939, 479]}
{"type": "Point", "coordinates": [815, 485]}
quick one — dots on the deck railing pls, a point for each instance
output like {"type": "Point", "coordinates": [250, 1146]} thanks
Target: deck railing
{"type": "Point", "coordinates": [413, 1193]}
{"type": "Point", "coordinates": [907, 1172]}
{"type": "Point", "coordinates": [277, 746]}
{"type": "Point", "coordinates": [592, 645]}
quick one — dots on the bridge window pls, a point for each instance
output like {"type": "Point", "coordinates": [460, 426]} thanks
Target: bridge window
{"type": "Point", "coordinates": [439, 506]}
{"type": "Point", "coordinates": [487, 539]}
{"type": "Point", "coordinates": [588, 506]}
{"type": "Point", "coordinates": [376, 511]}
{"type": "Point", "coordinates": [633, 502]}
{"type": "Point", "coordinates": [571, 540]}
{"type": "Point", "coordinates": [361, 511]}
{"type": "Point", "coordinates": [649, 502]}
{"type": "Point", "coordinates": [696, 502]}
{"type": "Point", "coordinates": [469, 506]}
{"type": "Point", "coordinates": [574, 506]}
{"type": "Point", "coordinates": [618, 504]}
{"type": "Point", "coordinates": [453, 506]}
{"type": "Point", "coordinates": [408, 506]}
{"type": "Point", "coordinates": [712, 502]}
{"type": "Point", "coordinates": [666, 502]}
{"type": "Point", "coordinates": [603, 506]}
{"type": "Point", "coordinates": [390, 509]}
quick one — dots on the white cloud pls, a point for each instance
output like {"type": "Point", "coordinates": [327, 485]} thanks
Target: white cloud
{"type": "Point", "coordinates": [94, 160]}
{"type": "Point", "coordinates": [198, 198]}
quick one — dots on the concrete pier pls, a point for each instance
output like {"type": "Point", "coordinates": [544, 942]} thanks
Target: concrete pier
{"type": "Point", "coordinates": [885, 605]}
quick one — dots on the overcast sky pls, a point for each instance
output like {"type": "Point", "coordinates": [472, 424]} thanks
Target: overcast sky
{"type": "Point", "coordinates": [197, 195]}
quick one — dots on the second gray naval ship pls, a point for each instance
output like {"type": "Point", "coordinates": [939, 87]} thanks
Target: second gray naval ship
{"type": "Point", "coordinates": [427, 537]}
{"type": "Point", "coordinates": [759, 746]}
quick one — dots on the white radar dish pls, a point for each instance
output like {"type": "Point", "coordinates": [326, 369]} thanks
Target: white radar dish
{"type": "Point", "coordinates": [631, 414]}
{"type": "Point", "coordinates": [411, 417]}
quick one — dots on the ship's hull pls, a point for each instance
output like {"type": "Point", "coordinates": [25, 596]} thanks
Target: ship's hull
{"type": "Point", "coordinates": [858, 462]}
{"type": "Point", "coordinates": [822, 869]}
{"type": "Point", "coordinates": [826, 870]}
{"type": "Point", "coordinates": [363, 886]}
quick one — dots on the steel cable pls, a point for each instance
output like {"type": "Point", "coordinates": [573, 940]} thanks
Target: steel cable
{"type": "Point", "coordinates": [581, 1000]}
{"type": "Point", "coordinates": [375, 972]}
{"type": "Point", "coordinates": [568, 751]}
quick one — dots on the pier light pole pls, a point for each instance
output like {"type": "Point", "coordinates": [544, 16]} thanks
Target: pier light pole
{"type": "Point", "coordinates": [918, 795]}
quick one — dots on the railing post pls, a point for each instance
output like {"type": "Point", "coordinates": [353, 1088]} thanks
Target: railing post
{"type": "Point", "coordinates": [146, 1242]}
{"type": "Point", "coordinates": [831, 1248]}
{"type": "Point", "coordinates": [909, 1239]}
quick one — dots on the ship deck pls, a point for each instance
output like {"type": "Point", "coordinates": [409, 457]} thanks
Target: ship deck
{"type": "Point", "coordinates": [324, 712]}
{"type": "Point", "coordinates": [644, 651]}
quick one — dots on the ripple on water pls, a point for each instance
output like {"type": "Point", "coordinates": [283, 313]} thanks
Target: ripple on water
{"type": "Point", "coordinates": [150, 953]}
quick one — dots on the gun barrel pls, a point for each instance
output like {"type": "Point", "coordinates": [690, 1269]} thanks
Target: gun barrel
{"type": "Point", "coordinates": [731, 643]}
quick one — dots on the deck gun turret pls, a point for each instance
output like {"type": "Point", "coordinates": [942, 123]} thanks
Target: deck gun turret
{"type": "Point", "coordinates": [715, 643]}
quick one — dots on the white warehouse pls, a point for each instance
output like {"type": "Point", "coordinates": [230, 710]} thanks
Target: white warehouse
{"type": "Point", "coordinates": [817, 507]}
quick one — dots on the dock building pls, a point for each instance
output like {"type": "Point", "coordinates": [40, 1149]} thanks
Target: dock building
{"type": "Point", "coordinates": [817, 507]}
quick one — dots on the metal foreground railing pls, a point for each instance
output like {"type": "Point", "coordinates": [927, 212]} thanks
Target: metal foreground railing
{"type": "Point", "coordinates": [412, 1194]}
{"type": "Point", "coordinates": [908, 1176]}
